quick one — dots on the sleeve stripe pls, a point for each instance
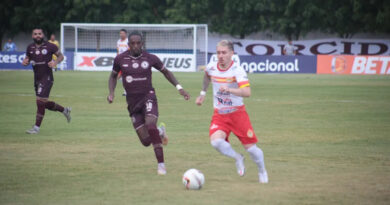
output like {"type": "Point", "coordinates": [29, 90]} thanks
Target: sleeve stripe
{"type": "Point", "coordinates": [245, 85]}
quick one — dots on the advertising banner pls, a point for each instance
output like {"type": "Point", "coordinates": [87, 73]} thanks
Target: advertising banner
{"type": "Point", "coordinates": [13, 61]}
{"type": "Point", "coordinates": [332, 46]}
{"type": "Point", "coordinates": [89, 61]}
{"type": "Point", "coordinates": [345, 64]}
{"type": "Point", "coordinates": [274, 64]}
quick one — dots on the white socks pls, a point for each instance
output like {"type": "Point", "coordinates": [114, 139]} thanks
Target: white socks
{"type": "Point", "coordinates": [258, 157]}
{"type": "Point", "coordinates": [225, 148]}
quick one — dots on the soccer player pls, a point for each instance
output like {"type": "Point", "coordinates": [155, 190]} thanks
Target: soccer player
{"type": "Point", "coordinates": [122, 45]}
{"type": "Point", "coordinates": [39, 54]}
{"type": "Point", "coordinates": [55, 42]}
{"type": "Point", "coordinates": [230, 86]}
{"type": "Point", "coordinates": [136, 66]}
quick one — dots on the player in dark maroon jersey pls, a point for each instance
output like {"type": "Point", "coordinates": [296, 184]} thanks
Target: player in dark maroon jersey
{"type": "Point", "coordinates": [40, 54]}
{"type": "Point", "coordinates": [136, 66]}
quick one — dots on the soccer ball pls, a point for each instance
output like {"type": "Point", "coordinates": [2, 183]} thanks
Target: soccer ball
{"type": "Point", "coordinates": [193, 179]}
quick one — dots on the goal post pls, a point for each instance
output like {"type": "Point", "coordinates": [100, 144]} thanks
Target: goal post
{"type": "Point", "coordinates": [181, 47]}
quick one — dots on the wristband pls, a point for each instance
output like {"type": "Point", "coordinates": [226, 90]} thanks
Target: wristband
{"type": "Point", "coordinates": [179, 87]}
{"type": "Point", "coordinates": [203, 93]}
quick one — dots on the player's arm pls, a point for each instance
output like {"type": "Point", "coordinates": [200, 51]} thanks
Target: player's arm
{"type": "Point", "coordinates": [243, 89]}
{"type": "Point", "coordinates": [111, 86]}
{"type": "Point", "coordinates": [205, 86]}
{"type": "Point", "coordinates": [242, 92]}
{"type": "Point", "coordinates": [171, 78]}
{"type": "Point", "coordinates": [60, 57]}
{"type": "Point", "coordinates": [26, 61]}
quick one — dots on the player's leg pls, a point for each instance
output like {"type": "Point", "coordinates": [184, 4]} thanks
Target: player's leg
{"type": "Point", "coordinates": [150, 124]}
{"type": "Point", "coordinates": [162, 131]}
{"type": "Point", "coordinates": [39, 115]}
{"type": "Point", "coordinates": [151, 117]}
{"type": "Point", "coordinates": [139, 126]}
{"type": "Point", "coordinates": [51, 105]}
{"type": "Point", "coordinates": [257, 156]}
{"type": "Point", "coordinates": [244, 131]}
{"type": "Point", "coordinates": [42, 96]}
{"type": "Point", "coordinates": [142, 132]}
{"type": "Point", "coordinates": [218, 141]}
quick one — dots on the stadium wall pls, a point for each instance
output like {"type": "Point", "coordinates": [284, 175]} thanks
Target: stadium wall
{"type": "Point", "coordinates": [320, 64]}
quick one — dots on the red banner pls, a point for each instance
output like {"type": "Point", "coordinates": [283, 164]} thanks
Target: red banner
{"type": "Point", "coordinates": [348, 64]}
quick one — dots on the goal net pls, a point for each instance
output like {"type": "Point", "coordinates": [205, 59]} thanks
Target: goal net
{"type": "Point", "coordinates": [181, 47]}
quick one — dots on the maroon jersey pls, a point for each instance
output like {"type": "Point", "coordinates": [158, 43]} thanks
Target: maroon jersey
{"type": "Point", "coordinates": [137, 71]}
{"type": "Point", "coordinates": [39, 59]}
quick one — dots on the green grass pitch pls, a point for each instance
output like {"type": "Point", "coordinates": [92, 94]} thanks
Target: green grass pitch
{"type": "Point", "coordinates": [326, 140]}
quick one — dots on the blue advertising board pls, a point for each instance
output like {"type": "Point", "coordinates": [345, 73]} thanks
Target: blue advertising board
{"type": "Point", "coordinates": [13, 61]}
{"type": "Point", "coordinates": [278, 64]}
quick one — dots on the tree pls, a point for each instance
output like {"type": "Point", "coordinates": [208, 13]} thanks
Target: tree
{"type": "Point", "coordinates": [6, 12]}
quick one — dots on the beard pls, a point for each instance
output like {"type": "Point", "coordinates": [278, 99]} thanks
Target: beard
{"type": "Point", "coordinates": [38, 41]}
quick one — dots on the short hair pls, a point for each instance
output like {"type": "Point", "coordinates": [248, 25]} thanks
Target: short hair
{"type": "Point", "coordinates": [37, 28]}
{"type": "Point", "coordinates": [124, 30]}
{"type": "Point", "coordinates": [136, 33]}
{"type": "Point", "coordinates": [226, 43]}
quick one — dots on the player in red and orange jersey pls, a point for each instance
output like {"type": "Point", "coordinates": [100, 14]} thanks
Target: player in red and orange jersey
{"type": "Point", "coordinates": [230, 86]}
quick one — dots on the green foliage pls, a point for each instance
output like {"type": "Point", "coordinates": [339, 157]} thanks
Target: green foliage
{"type": "Point", "coordinates": [292, 18]}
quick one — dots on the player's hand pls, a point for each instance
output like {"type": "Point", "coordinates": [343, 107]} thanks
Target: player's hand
{"type": "Point", "coordinates": [200, 99]}
{"type": "Point", "coordinates": [110, 98]}
{"type": "Point", "coordinates": [224, 89]}
{"type": "Point", "coordinates": [25, 62]}
{"type": "Point", "coordinates": [52, 64]}
{"type": "Point", "coordinates": [184, 94]}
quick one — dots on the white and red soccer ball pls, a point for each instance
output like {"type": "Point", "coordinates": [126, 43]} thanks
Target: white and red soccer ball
{"type": "Point", "coordinates": [193, 179]}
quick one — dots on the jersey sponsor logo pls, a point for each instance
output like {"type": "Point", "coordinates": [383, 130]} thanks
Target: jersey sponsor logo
{"type": "Point", "coordinates": [220, 93]}
{"type": "Point", "coordinates": [130, 79]}
{"type": "Point", "coordinates": [125, 65]}
{"type": "Point", "coordinates": [135, 65]}
{"type": "Point", "coordinates": [44, 51]}
{"type": "Point", "coordinates": [225, 101]}
{"type": "Point", "coordinates": [145, 64]}
{"type": "Point", "coordinates": [37, 52]}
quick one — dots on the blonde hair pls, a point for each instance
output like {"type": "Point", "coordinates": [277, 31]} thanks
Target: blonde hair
{"type": "Point", "coordinates": [226, 43]}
